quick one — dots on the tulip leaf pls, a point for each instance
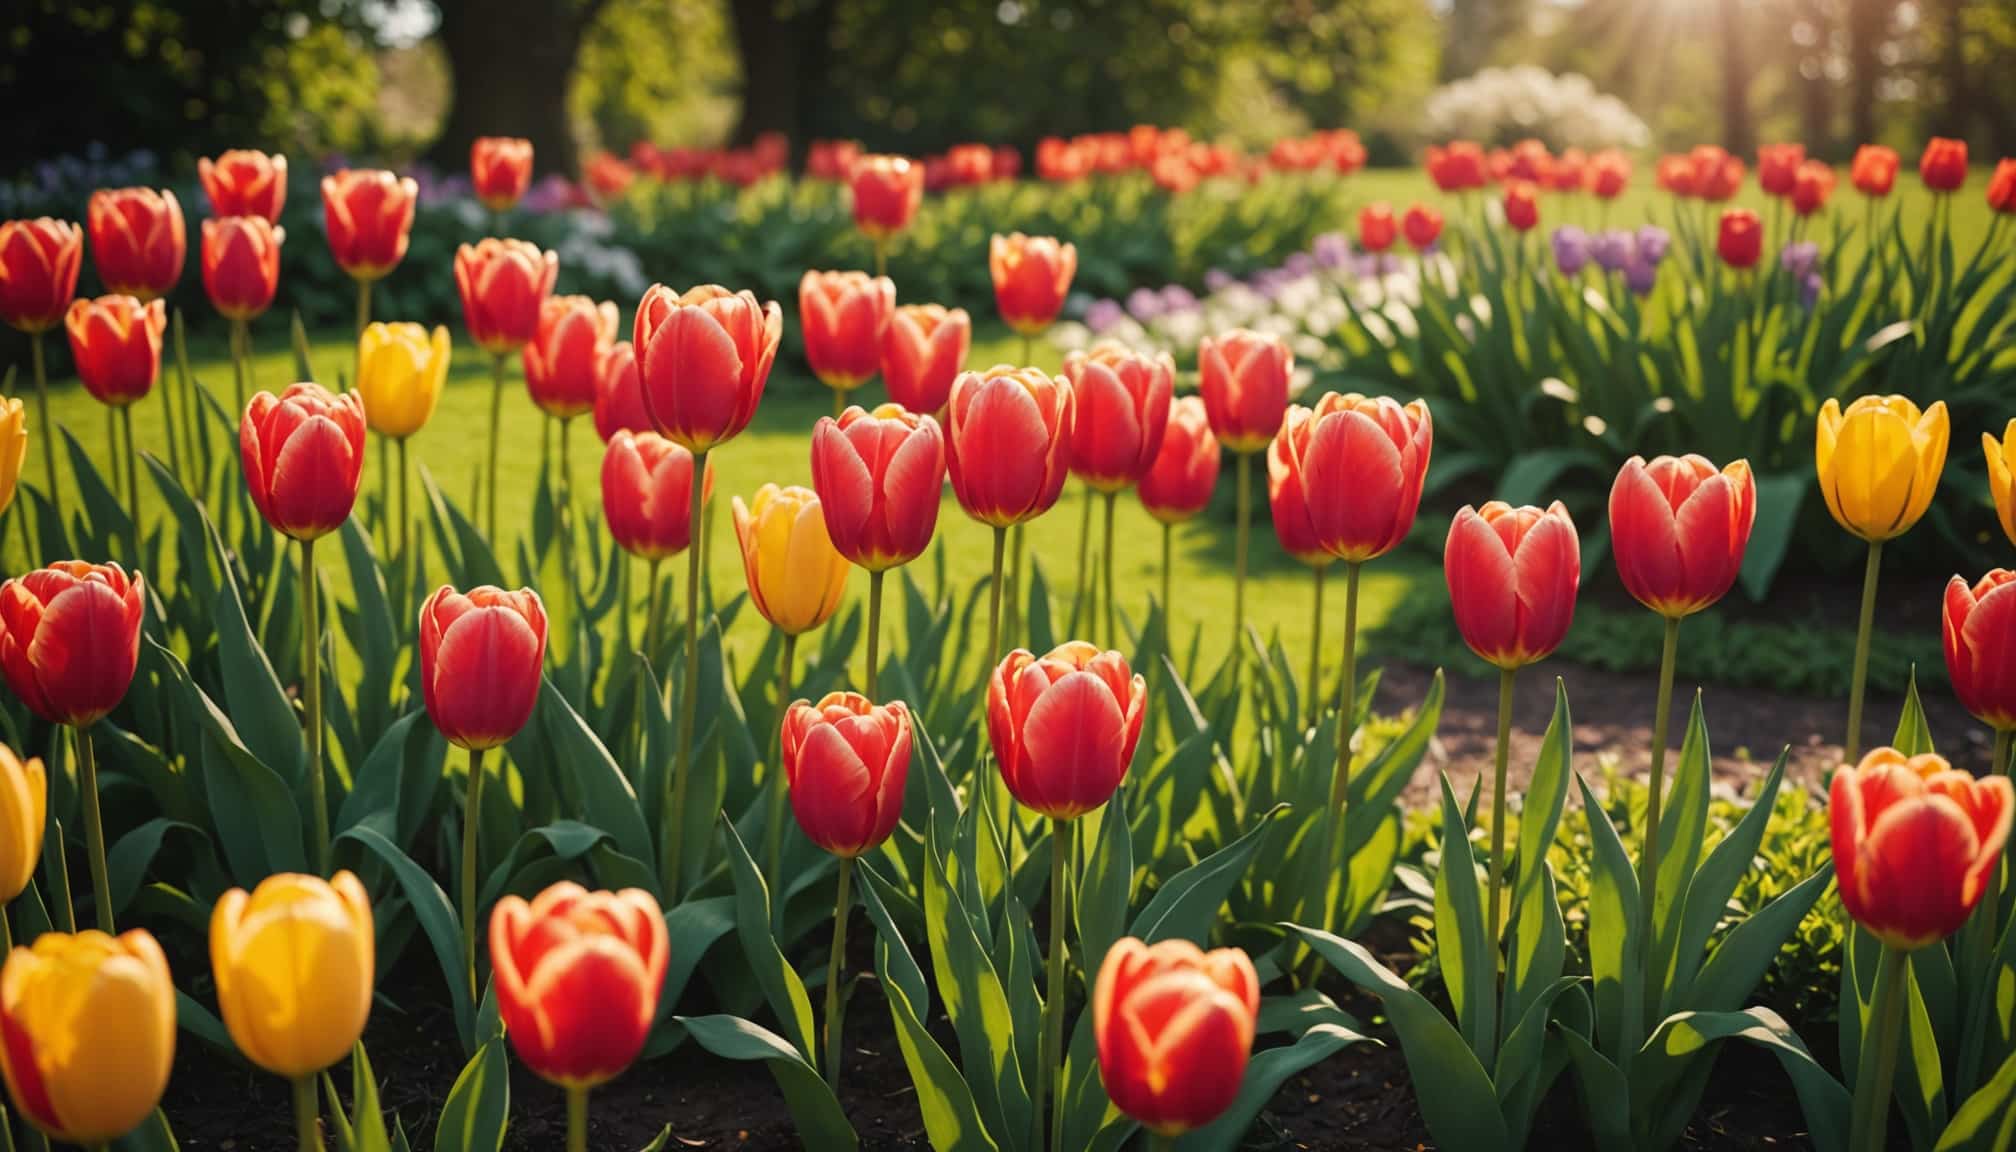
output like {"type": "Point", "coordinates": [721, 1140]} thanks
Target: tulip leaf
{"type": "Point", "coordinates": [399, 776]}
{"type": "Point", "coordinates": [1106, 885]}
{"type": "Point", "coordinates": [374, 635]}
{"type": "Point", "coordinates": [1683, 830]}
{"type": "Point", "coordinates": [1376, 787]}
{"type": "Point", "coordinates": [366, 1121]}
{"type": "Point", "coordinates": [1986, 1121]}
{"type": "Point", "coordinates": [105, 519]}
{"type": "Point", "coordinates": [1749, 949]}
{"type": "Point", "coordinates": [1036, 625]}
{"type": "Point", "coordinates": [782, 989]}
{"type": "Point", "coordinates": [1613, 936]}
{"type": "Point", "coordinates": [1779, 497]}
{"type": "Point", "coordinates": [1469, 954]}
{"type": "Point", "coordinates": [1682, 1040]}
{"type": "Point", "coordinates": [1605, 1091]}
{"type": "Point", "coordinates": [1545, 793]}
{"type": "Point", "coordinates": [259, 706]}
{"type": "Point", "coordinates": [437, 919]}
{"type": "Point", "coordinates": [1533, 963]}
{"type": "Point", "coordinates": [258, 825]}
{"type": "Point", "coordinates": [1914, 734]}
{"type": "Point", "coordinates": [1265, 1074]}
{"type": "Point", "coordinates": [815, 1111]}
{"type": "Point", "coordinates": [605, 796]}
{"type": "Point", "coordinates": [1187, 903]}
{"type": "Point", "coordinates": [479, 1104]}
{"type": "Point", "coordinates": [1710, 888]}
{"type": "Point", "coordinates": [127, 863]}
{"type": "Point", "coordinates": [696, 925]}
{"type": "Point", "coordinates": [153, 1135]}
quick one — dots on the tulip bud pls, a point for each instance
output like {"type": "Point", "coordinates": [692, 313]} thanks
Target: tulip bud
{"type": "Point", "coordinates": [1032, 275]}
{"type": "Point", "coordinates": [24, 808]}
{"type": "Point", "coordinates": [1522, 206]}
{"type": "Point", "coordinates": [70, 639]}
{"type": "Point", "coordinates": [89, 1022]}
{"type": "Point", "coordinates": [1121, 400]}
{"type": "Point", "coordinates": [39, 261]}
{"type": "Point", "coordinates": [886, 191]}
{"type": "Point", "coordinates": [1740, 238]}
{"type": "Point", "coordinates": [1717, 175]}
{"type": "Point", "coordinates": [241, 264]}
{"type": "Point", "coordinates": [578, 975]}
{"type": "Point", "coordinates": [846, 759]}
{"type": "Point", "coordinates": [1513, 573]}
{"type": "Point", "coordinates": [703, 358]}
{"type": "Point", "coordinates": [923, 349]}
{"type": "Point", "coordinates": [1288, 495]}
{"type": "Point", "coordinates": [13, 447]}
{"type": "Point", "coordinates": [2002, 188]}
{"type": "Point", "coordinates": [1679, 529]}
{"type": "Point", "coordinates": [1979, 626]}
{"type": "Point", "coordinates": [1363, 460]}
{"type": "Point", "coordinates": [1778, 168]}
{"type": "Point", "coordinates": [243, 182]}
{"type": "Point", "coordinates": [294, 962]}
{"type": "Point", "coordinates": [1915, 843]}
{"type": "Point", "coordinates": [1610, 174]}
{"type": "Point", "coordinates": [116, 343]}
{"type": "Point", "coordinates": [1064, 726]}
{"type": "Point", "coordinates": [1178, 484]}
{"type": "Point", "coordinates": [796, 576]}
{"type": "Point", "coordinates": [138, 240]}
{"type": "Point", "coordinates": [369, 217]}
{"type": "Point", "coordinates": [481, 656]}
{"type": "Point", "coordinates": [1376, 227]}
{"type": "Point", "coordinates": [500, 170]}
{"type": "Point", "coordinates": [304, 454]}
{"type": "Point", "coordinates": [1943, 166]}
{"type": "Point", "coordinates": [400, 371]}
{"type": "Point", "coordinates": [1811, 187]}
{"type": "Point", "coordinates": [564, 360]}
{"type": "Point", "coordinates": [1008, 442]}
{"type": "Point", "coordinates": [1244, 378]}
{"type": "Point", "coordinates": [1422, 226]}
{"type": "Point", "coordinates": [843, 316]}
{"type": "Point", "coordinates": [1874, 170]}
{"type": "Point", "coordinates": [2001, 476]}
{"type": "Point", "coordinates": [1675, 174]}
{"type": "Point", "coordinates": [504, 285]}
{"type": "Point", "coordinates": [619, 396]}
{"type": "Point", "coordinates": [879, 476]}
{"type": "Point", "coordinates": [1174, 1027]}
{"type": "Point", "coordinates": [647, 494]}
{"type": "Point", "coordinates": [1879, 462]}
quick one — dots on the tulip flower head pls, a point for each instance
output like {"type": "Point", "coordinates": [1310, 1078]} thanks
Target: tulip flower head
{"type": "Point", "coordinates": [1064, 726]}
{"type": "Point", "coordinates": [619, 395]}
{"type": "Point", "coordinates": [138, 240]}
{"type": "Point", "coordinates": [1979, 627]}
{"type": "Point", "coordinates": [243, 182]}
{"type": "Point", "coordinates": [1812, 187]}
{"type": "Point", "coordinates": [1363, 460]}
{"type": "Point", "coordinates": [563, 362]}
{"type": "Point", "coordinates": [24, 810]}
{"type": "Point", "coordinates": [843, 316]}
{"type": "Point", "coordinates": [1943, 165]}
{"type": "Point", "coordinates": [400, 371]}
{"type": "Point", "coordinates": [1739, 239]}
{"type": "Point", "coordinates": [294, 961]}
{"type": "Point", "coordinates": [369, 216]}
{"type": "Point", "coordinates": [241, 264]}
{"type": "Point", "coordinates": [1874, 170]}
{"type": "Point", "coordinates": [1718, 176]}
{"type": "Point", "coordinates": [89, 1027]}
{"type": "Point", "coordinates": [1008, 442]}
{"type": "Point", "coordinates": [1422, 226]}
{"type": "Point", "coordinates": [846, 760]}
{"type": "Point", "coordinates": [647, 494]}
{"type": "Point", "coordinates": [1522, 206]}
{"type": "Point", "coordinates": [2002, 188]}
{"type": "Point", "coordinates": [1121, 400]}
{"type": "Point", "coordinates": [39, 261]}
{"type": "Point", "coordinates": [504, 285]}
{"type": "Point", "coordinates": [1459, 167]}
{"type": "Point", "coordinates": [1915, 843]}
{"type": "Point", "coordinates": [886, 192]}
{"type": "Point", "coordinates": [879, 475]}
{"type": "Point", "coordinates": [578, 975]}
{"type": "Point", "coordinates": [1778, 168]}
{"type": "Point", "coordinates": [500, 170]}
{"type": "Point", "coordinates": [1377, 228]}
{"type": "Point", "coordinates": [1679, 528]}
{"type": "Point", "coordinates": [1174, 1027]}
{"type": "Point", "coordinates": [1513, 574]}
{"type": "Point", "coordinates": [303, 452]}
{"type": "Point", "coordinates": [2001, 456]}
{"type": "Point", "coordinates": [115, 342]}
{"type": "Point", "coordinates": [13, 447]}
{"type": "Point", "coordinates": [703, 358]}
{"type": "Point", "coordinates": [1609, 173]}
{"type": "Point", "coordinates": [1032, 275]}
{"type": "Point", "coordinates": [796, 577]}
{"type": "Point", "coordinates": [1244, 378]}
{"type": "Point", "coordinates": [481, 658]}
{"type": "Point", "coordinates": [1675, 174]}
{"type": "Point", "coordinates": [70, 639]}
{"type": "Point", "coordinates": [1178, 484]}
{"type": "Point", "coordinates": [1879, 462]}
{"type": "Point", "coordinates": [1288, 494]}
{"type": "Point", "coordinates": [923, 350]}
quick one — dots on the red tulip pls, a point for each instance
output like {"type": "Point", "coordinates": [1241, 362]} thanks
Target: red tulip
{"type": "Point", "coordinates": [1915, 843]}
{"type": "Point", "coordinates": [1679, 529]}
{"type": "Point", "coordinates": [703, 359]}
{"type": "Point", "coordinates": [369, 215]}
{"type": "Point", "coordinates": [241, 264]}
{"type": "Point", "coordinates": [846, 760]}
{"type": "Point", "coordinates": [1178, 484]}
{"type": "Point", "coordinates": [1008, 441]}
{"type": "Point", "coordinates": [1376, 227]}
{"type": "Point", "coordinates": [480, 660]}
{"type": "Point", "coordinates": [2002, 188]}
{"type": "Point", "coordinates": [1570, 172]}
{"type": "Point", "coordinates": [1288, 493]}
{"type": "Point", "coordinates": [578, 975]}
{"type": "Point", "coordinates": [1522, 206]}
{"type": "Point", "coordinates": [1717, 175]}
{"type": "Point", "coordinates": [116, 342]}
{"type": "Point", "coordinates": [619, 397]}
{"type": "Point", "coordinates": [1512, 575]}
{"type": "Point", "coordinates": [1363, 460]}
{"type": "Point", "coordinates": [1980, 633]}
{"type": "Point", "coordinates": [1174, 1027]}
{"type": "Point", "coordinates": [504, 286]}
{"type": "Point", "coordinates": [243, 182]}
{"type": "Point", "coordinates": [843, 316]}
{"type": "Point", "coordinates": [1244, 378]}
{"type": "Point", "coordinates": [39, 261]}
{"type": "Point", "coordinates": [1032, 275]}
{"type": "Point", "coordinates": [1811, 187]}
{"type": "Point", "coordinates": [1740, 238]}
{"type": "Point", "coordinates": [1676, 175]}
{"type": "Point", "coordinates": [1943, 166]}
{"type": "Point", "coordinates": [647, 494]}
{"type": "Point", "coordinates": [1778, 168]}
{"type": "Point", "coordinates": [303, 454]}
{"type": "Point", "coordinates": [1874, 170]}
{"type": "Point", "coordinates": [1422, 226]}
{"type": "Point", "coordinates": [70, 639]}
{"type": "Point", "coordinates": [887, 191]}
{"type": "Point", "coordinates": [1122, 399]}
{"type": "Point", "coordinates": [923, 350]}
{"type": "Point", "coordinates": [1610, 174]}
{"type": "Point", "coordinates": [563, 363]}
{"type": "Point", "coordinates": [1064, 726]}
{"type": "Point", "coordinates": [1458, 167]}
{"type": "Point", "coordinates": [879, 475]}
{"type": "Point", "coordinates": [500, 170]}
{"type": "Point", "coordinates": [606, 177]}
{"type": "Point", "coordinates": [138, 240]}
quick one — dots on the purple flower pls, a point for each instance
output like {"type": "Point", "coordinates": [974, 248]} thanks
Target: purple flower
{"type": "Point", "coordinates": [1331, 249]}
{"type": "Point", "coordinates": [1299, 264]}
{"type": "Point", "coordinates": [1144, 304]}
{"type": "Point", "coordinates": [550, 193]}
{"type": "Point", "coordinates": [1640, 275]}
{"type": "Point", "coordinates": [1571, 250]}
{"type": "Point", "coordinates": [1652, 243]}
{"type": "Point", "coordinates": [1101, 315]}
{"type": "Point", "coordinates": [1217, 280]}
{"type": "Point", "coordinates": [1612, 250]}
{"type": "Point", "coordinates": [1800, 260]}
{"type": "Point", "coordinates": [1176, 298]}
{"type": "Point", "coordinates": [1809, 288]}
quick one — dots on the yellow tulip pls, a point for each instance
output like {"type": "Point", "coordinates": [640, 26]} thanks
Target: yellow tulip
{"type": "Point", "coordinates": [400, 369]}
{"type": "Point", "coordinates": [24, 799]}
{"type": "Point", "coordinates": [90, 1027]}
{"type": "Point", "coordinates": [1879, 463]}
{"type": "Point", "coordinates": [13, 447]}
{"type": "Point", "coordinates": [795, 574]}
{"type": "Point", "coordinates": [293, 963]}
{"type": "Point", "coordinates": [2001, 476]}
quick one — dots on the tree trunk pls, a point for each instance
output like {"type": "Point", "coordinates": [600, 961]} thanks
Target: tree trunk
{"type": "Point", "coordinates": [1957, 113]}
{"type": "Point", "coordinates": [785, 57]}
{"type": "Point", "coordinates": [512, 63]}
{"type": "Point", "coordinates": [1867, 20]}
{"type": "Point", "coordinates": [1737, 133]}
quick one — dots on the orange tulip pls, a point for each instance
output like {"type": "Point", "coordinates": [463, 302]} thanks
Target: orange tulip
{"type": "Point", "coordinates": [241, 264]}
{"type": "Point", "coordinates": [504, 285]}
{"type": "Point", "coordinates": [923, 350]}
{"type": "Point", "coordinates": [1874, 170]}
{"type": "Point", "coordinates": [1512, 573]}
{"type": "Point", "coordinates": [369, 216]}
{"type": "Point", "coordinates": [1739, 240]}
{"type": "Point", "coordinates": [647, 494]}
{"type": "Point", "coordinates": [1178, 484]}
{"type": "Point", "coordinates": [578, 975]}
{"type": "Point", "coordinates": [304, 455]}
{"type": "Point", "coordinates": [500, 170]}
{"type": "Point", "coordinates": [564, 360]}
{"type": "Point", "coordinates": [70, 639]}
{"type": "Point", "coordinates": [1008, 442]}
{"type": "Point", "coordinates": [1675, 174]}
{"type": "Point", "coordinates": [1717, 175]}
{"type": "Point", "coordinates": [1522, 206]}
{"type": "Point", "coordinates": [1811, 187]}
{"type": "Point", "coordinates": [846, 760]}
{"type": "Point", "coordinates": [39, 261]}
{"type": "Point", "coordinates": [1244, 378]}
{"type": "Point", "coordinates": [1678, 528]}
{"type": "Point", "coordinates": [619, 396]}
{"type": "Point", "coordinates": [1032, 275]}
{"type": "Point", "coordinates": [879, 475]}
{"type": "Point", "coordinates": [1943, 166]}
{"type": "Point", "coordinates": [843, 316]}
{"type": "Point", "coordinates": [1122, 410]}
{"type": "Point", "coordinates": [1778, 168]}
{"type": "Point", "coordinates": [1364, 460]}
{"type": "Point", "coordinates": [703, 358]}
{"type": "Point", "coordinates": [481, 657]}
{"type": "Point", "coordinates": [1979, 626]}
{"type": "Point", "coordinates": [1174, 1027]}
{"type": "Point", "coordinates": [116, 342]}
{"type": "Point", "coordinates": [1915, 843]}
{"type": "Point", "coordinates": [1376, 227]}
{"type": "Point", "coordinates": [243, 182]}
{"type": "Point", "coordinates": [1610, 174]}
{"type": "Point", "coordinates": [886, 191]}
{"type": "Point", "coordinates": [138, 240]}
{"type": "Point", "coordinates": [1288, 493]}
{"type": "Point", "coordinates": [1064, 726]}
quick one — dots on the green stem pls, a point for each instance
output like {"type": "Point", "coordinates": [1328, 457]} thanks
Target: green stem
{"type": "Point", "coordinates": [990, 657]}
{"type": "Point", "coordinates": [1112, 630]}
{"type": "Point", "coordinates": [1504, 754]}
{"type": "Point", "coordinates": [496, 420]}
{"type": "Point", "coordinates": [311, 691]}
{"type": "Point", "coordinates": [836, 964]}
{"type": "Point", "coordinates": [773, 831]}
{"type": "Point", "coordinates": [564, 497]}
{"type": "Point", "coordinates": [407, 563]}
{"type": "Point", "coordinates": [94, 828]}
{"type": "Point", "coordinates": [653, 639]}
{"type": "Point", "coordinates": [168, 426]}
{"type": "Point", "coordinates": [1160, 1142]}
{"type": "Point", "coordinates": [241, 357]}
{"type": "Point", "coordinates": [114, 454]}
{"type": "Point", "coordinates": [675, 809]}
{"type": "Point", "coordinates": [1015, 617]}
{"type": "Point", "coordinates": [1168, 562]}
{"type": "Point", "coordinates": [577, 1119]}
{"type": "Point", "coordinates": [132, 477]}
{"type": "Point", "coordinates": [1084, 550]}
{"type": "Point", "coordinates": [1245, 514]}
{"type": "Point", "coordinates": [363, 322]}
{"type": "Point", "coordinates": [647, 643]}
{"type": "Point", "coordinates": [307, 1118]}
{"type": "Point", "coordinates": [1648, 852]}
{"type": "Point", "coordinates": [48, 449]}
{"type": "Point", "coordinates": [385, 534]}
{"type": "Point", "coordinates": [192, 404]}
{"type": "Point", "coordinates": [839, 403]}
{"type": "Point", "coordinates": [1876, 1073]}
{"type": "Point", "coordinates": [1315, 683]}
{"type": "Point", "coordinates": [1852, 745]}
{"type": "Point", "coordinates": [1049, 1069]}
{"type": "Point", "coordinates": [1340, 778]}
{"type": "Point", "coordinates": [6, 936]}
{"type": "Point", "coordinates": [881, 256]}
{"type": "Point", "coordinates": [58, 863]}
{"type": "Point", "coordinates": [472, 819]}
{"type": "Point", "coordinates": [874, 627]}
{"type": "Point", "coordinates": [623, 602]}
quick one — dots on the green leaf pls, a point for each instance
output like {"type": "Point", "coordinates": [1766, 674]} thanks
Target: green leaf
{"type": "Point", "coordinates": [782, 989]}
{"type": "Point", "coordinates": [153, 1135]}
{"type": "Point", "coordinates": [1606, 1094]}
{"type": "Point", "coordinates": [1546, 792]}
{"type": "Point", "coordinates": [479, 1105]}
{"type": "Point", "coordinates": [367, 1120]}
{"type": "Point", "coordinates": [1613, 938]}
{"type": "Point", "coordinates": [437, 919]}
{"type": "Point", "coordinates": [814, 1109]}
{"type": "Point", "coordinates": [1746, 953]}
{"type": "Point", "coordinates": [607, 800]}
{"type": "Point", "coordinates": [1106, 886]}
{"type": "Point", "coordinates": [1914, 734]}
{"type": "Point", "coordinates": [127, 863]}
{"type": "Point", "coordinates": [1683, 829]}
{"type": "Point", "coordinates": [258, 825]}
{"type": "Point", "coordinates": [1986, 1121]}
{"type": "Point", "coordinates": [1689, 1036]}
{"type": "Point", "coordinates": [1265, 1074]}
{"type": "Point", "coordinates": [1709, 890]}
{"type": "Point", "coordinates": [1469, 956]}
{"type": "Point", "coordinates": [1187, 904]}
{"type": "Point", "coordinates": [975, 1000]}
{"type": "Point", "coordinates": [1779, 497]}
{"type": "Point", "coordinates": [696, 925]}
{"type": "Point", "coordinates": [259, 707]}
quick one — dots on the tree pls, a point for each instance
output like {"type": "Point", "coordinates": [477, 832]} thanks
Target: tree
{"type": "Point", "coordinates": [786, 47]}
{"type": "Point", "coordinates": [1868, 24]}
{"type": "Point", "coordinates": [513, 63]}
{"type": "Point", "coordinates": [1738, 134]}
